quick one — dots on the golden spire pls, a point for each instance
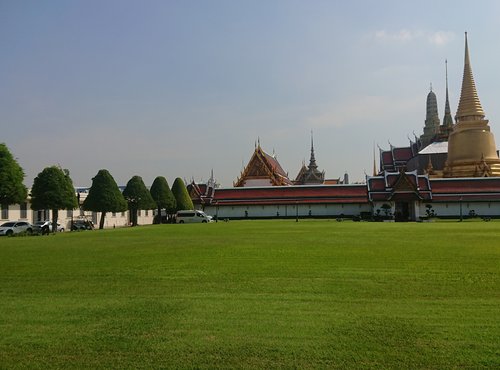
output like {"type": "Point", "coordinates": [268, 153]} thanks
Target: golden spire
{"type": "Point", "coordinates": [469, 107]}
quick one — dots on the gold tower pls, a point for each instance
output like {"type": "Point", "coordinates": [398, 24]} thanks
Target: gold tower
{"type": "Point", "coordinates": [471, 145]}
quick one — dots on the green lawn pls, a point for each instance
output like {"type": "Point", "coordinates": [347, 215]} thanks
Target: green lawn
{"type": "Point", "coordinates": [254, 294]}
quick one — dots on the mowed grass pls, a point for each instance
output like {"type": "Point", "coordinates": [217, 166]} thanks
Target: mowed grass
{"type": "Point", "coordinates": [254, 294]}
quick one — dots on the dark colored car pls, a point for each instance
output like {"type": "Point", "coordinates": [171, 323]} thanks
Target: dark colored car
{"type": "Point", "coordinates": [79, 225]}
{"type": "Point", "coordinates": [45, 227]}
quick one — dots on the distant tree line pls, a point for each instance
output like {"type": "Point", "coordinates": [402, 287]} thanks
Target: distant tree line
{"type": "Point", "coordinates": [53, 189]}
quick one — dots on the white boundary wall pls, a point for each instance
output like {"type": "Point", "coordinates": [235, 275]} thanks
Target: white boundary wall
{"type": "Point", "coordinates": [287, 210]}
{"type": "Point", "coordinates": [119, 219]}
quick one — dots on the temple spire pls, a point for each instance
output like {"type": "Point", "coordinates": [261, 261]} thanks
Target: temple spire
{"type": "Point", "coordinates": [447, 119]}
{"type": "Point", "coordinates": [374, 162]}
{"type": "Point", "coordinates": [312, 160]}
{"type": "Point", "coordinates": [469, 107]}
{"type": "Point", "coordinates": [471, 143]}
{"type": "Point", "coordinates": [310, 175]}
{"type": "Point", "coordinates": [432, 122]}
{"type": "Point", "coordinates": [447, 104]}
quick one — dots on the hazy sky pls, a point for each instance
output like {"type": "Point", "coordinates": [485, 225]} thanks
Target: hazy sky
{"type": "Point", "coordinates": [176, 88]}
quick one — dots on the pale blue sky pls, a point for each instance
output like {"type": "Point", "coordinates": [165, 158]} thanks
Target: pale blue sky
{"type": "Point", "coordinates": [176, 88]}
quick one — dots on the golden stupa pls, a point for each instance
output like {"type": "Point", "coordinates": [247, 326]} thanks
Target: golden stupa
{"type": "Point", "coordinates": [471, 146]}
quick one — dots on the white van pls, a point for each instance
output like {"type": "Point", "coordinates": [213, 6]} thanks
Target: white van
{"type": "Point", "coordinates": [189, 216]}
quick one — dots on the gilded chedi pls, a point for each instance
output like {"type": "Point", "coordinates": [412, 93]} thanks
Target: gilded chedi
{"type": "Point", "coordinates": [471, 146]}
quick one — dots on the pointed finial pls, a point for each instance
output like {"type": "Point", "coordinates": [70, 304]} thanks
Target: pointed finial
{"type": "Point", "coordinates": [447, 119]}
{"type": "Point", "coordinates": [431, 87]}
{"type": "Point", "coordinates": [312, 160]}
{"type": "Point", "coordinates": [466, 59]}
{"type": "Point", "coordinates": [446, 72]}
{"type": "Point", "coordinates": [258, 141]}
{"type": "Point", "coordinates": [446, 69]}
{"type": "Point", "coordinates": [469, 106]}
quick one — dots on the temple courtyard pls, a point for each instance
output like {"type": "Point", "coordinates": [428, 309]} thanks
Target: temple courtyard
{"type": "Point", "coordinates": [254, 294]}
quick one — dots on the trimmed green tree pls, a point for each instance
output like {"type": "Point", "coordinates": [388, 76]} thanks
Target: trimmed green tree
{"type": "Point", "coordinates": [162, 196]}
{"type": "Point", "coordinates": [181, 195]}
{"type": "Point", "coordinates": [137, 197]}
{"type": "Point", "coordinates": [104, 196]}
{"type": "Point", "coordinates": [53, 189]}
{"type": "Point", "coordinates": [12, 189]}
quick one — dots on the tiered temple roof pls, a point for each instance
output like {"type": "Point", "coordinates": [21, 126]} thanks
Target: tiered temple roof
{"type": "Point", "coordinates": [310, 174]}
{"type": "Point", "coordinates": [398, 186]}
{"type": "Point", "coordinates": [203, 193]}
{"type": "Point", "coordinates": [396, 158]}
{"type": "Point", "coordinates": [262, 169]}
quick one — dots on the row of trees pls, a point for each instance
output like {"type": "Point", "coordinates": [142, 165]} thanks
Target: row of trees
{"type": "Point", "coordinates": [53, 189]}
{"type": "Point", "coordinates": [105, 196]}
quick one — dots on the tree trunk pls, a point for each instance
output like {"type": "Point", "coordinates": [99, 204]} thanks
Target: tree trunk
{"type": "Point", "coordinates": [133, 217]}
{"type": "Point", "coordinates": [101, 224]}
{"type": "Point", "coordinates": [159, 215]}
{"type": "Point", "coordinates": [55, 213]}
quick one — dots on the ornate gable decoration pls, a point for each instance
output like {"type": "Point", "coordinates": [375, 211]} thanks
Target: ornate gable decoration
{"type": "Point", "coordinates": [263, 166]}
{"type": "Point", "coordinates": [405, 187]}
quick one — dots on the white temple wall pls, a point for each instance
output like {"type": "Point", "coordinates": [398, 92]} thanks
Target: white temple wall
{"type": "Point", "coordinates": [417, 210]}
{"type": "Point", "coordinates": [452, 209]}
{"type": "Point", "coordinates": [287, 210]}
{"type": "Point", "coordinates": [118, 219]}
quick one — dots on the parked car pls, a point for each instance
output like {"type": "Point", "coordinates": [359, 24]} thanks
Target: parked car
{"type": "Point", "coordinates": [45, 227]}
{"type": "Point", "coordinates": [192, 216]}
{"type": "Point", "coordinates": [82, 225]}
{"type": "Point", "coordinates": [11, 228]}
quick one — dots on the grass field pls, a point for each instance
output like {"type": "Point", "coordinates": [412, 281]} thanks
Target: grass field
{"type": "Point", "coordinates": [254, 294]}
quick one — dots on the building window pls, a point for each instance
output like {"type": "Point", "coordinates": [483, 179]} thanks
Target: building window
{"type": "Point", "coordinates": [147, 212]}
{"type": "Point", "coordinates": [139, 213]}
{"type": "Point", "coordinates": [113, 214]}
{"type": "Point", "coordinates": [24, 210]}
{"type": "Point", "coordinates": [123, 214]}
{"type": "Point", "coordinates": [70, 213]}
{"type": "Point", "coordinates": [5, 211]}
